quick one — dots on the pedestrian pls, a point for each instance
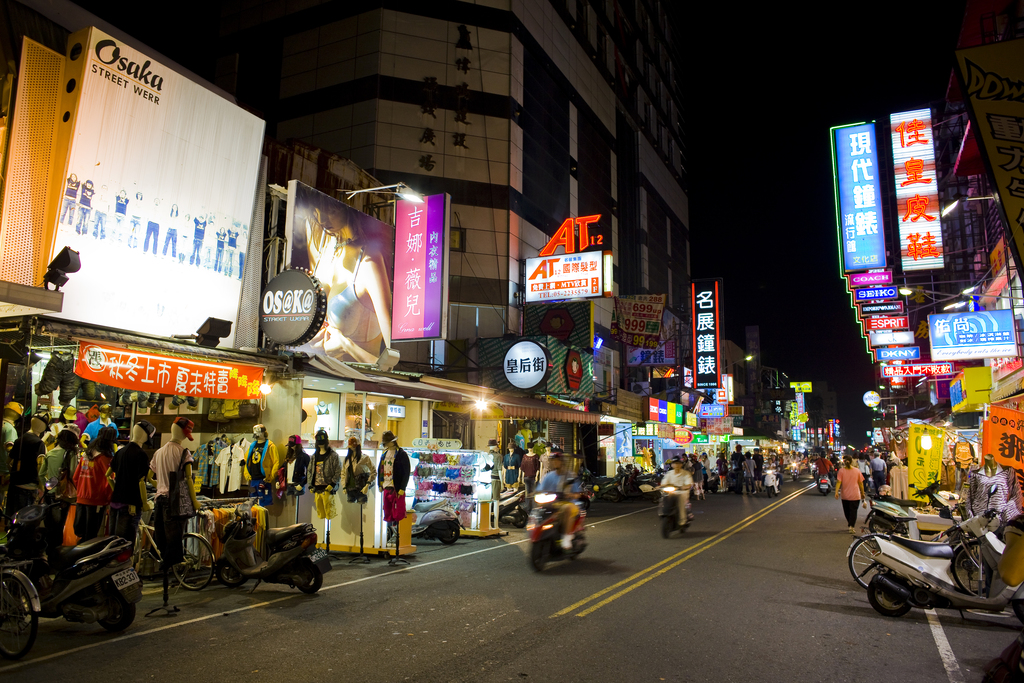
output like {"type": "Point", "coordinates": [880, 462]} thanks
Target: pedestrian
{"type": "Point", "coordinates": [748, 474]}
{"type": "Point", "coordinates": [850, 487]}
{"type": "Point", "coordinates": [877, 471]}
{"type": "Point", "coordinates": [706, 464]}
{"type": "Point", "coordinates": [723, 472]}
{"type": "Point", "coordinates": [529, 466]}
{"type": "Point", "coordinates": [758, 458]}
{"type": "Point", "coordinates": [865, 469]}
{"type": "Point", "coordinates": [91, 483]}
{"type": "Point", "coordinates": [698, 477]}
{"type": "Point", "coordinates": [737, 470]}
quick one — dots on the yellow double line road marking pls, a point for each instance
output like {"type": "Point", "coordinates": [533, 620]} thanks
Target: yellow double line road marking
{"type": "Point", "coordinates": [685, 555]}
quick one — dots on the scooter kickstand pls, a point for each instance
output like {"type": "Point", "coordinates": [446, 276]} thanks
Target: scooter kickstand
{"type": "Point", "coordinates": [258, 582]}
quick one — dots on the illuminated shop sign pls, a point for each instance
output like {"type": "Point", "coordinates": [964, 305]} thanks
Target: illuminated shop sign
{"type": "Point", "coordinates": [974, 334]}
{"type": "Point", "coordinates": [858, 197]}
{"type": "Point", "coordinates": [886, 322]}
{"type": "Point", "coordinates": [917, 192]}
{"type": "Point", "coordinates": [420, 301]}
{"type": "Point", "coordinates": [898, 353]}
{"type": "Point", "coordinates": [881, 308]}
{"type": "Point", "coordinates": [890, 338]}
{"type": "Point", "coordinates": [867, 279]}
{"type": "Point", "coordinates": [706, 307]}
{"type": "Point", "coordinates": [874, 293]}
{"type": "Point", "coordinates": [917, 370]}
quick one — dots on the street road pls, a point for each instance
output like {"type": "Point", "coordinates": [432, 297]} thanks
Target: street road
{"type": "Point", "coordinates": [757, 589]}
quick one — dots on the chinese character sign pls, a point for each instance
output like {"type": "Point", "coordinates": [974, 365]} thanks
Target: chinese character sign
{"type": "Point", "coordinates": [665, 354]}
{"type": "Point", "coordinates": [706, 307]}
{"type": "Point", "coordinates": [976, 334]}
{"type": "Point", "coordinates": [990, 78]}
{"type": "Point", "coordinates": [917, 193]}
{"type": "Point", "coordinates": [139, 371]}
{"type": "Point", "coordinates": [924, 456]}
{"type": "Point", "coordinates": [570, 276]}
{"type": "Point", "coordinates": [859, 201]}
{"type": "Point", "coordinates": [1002, 437]}
{"type": "Point", "coordinates": [420, 302]}
{"type": "Point", "coordinates": [637, 320]}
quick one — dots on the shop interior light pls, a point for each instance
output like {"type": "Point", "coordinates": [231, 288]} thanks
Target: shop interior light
{"type": "Point", "coordinates": [948, 209]}
{"type": "Point", "coordinates": [906, 291]}
{"type": "Point", "coordinates": [750, 357]}
{"type": "Point", "coordinates": [67, 261]}
{"type": "Point", "coordinates": [481, 404]}
{"type": "Point", "coordinates": [955, 304]}
{"type": "Point", "coordinates": [969, 290]}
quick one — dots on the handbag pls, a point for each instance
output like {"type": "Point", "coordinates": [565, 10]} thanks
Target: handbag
{"type": "Point", "coordinates": [1006, 668]}
{"type": "Point", "coordinates": [179, 502]}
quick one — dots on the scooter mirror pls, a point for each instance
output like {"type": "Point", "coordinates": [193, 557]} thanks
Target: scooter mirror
{"type": "Point", "coordinates": [945, 513]}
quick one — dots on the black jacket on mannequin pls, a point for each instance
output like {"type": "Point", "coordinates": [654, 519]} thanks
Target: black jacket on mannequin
{"type": "Point", "coordinates": [399, 473]}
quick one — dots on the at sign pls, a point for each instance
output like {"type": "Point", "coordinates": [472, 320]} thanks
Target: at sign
{"type": "Point", "coordinates": [565, 236]}
{"type": "Point", "coordinates": [886, 322]}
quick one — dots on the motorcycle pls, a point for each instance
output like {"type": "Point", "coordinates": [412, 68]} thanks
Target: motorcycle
{"type": "Point", "coordinates": [771, 483]}
{"type": "Point", "coordinates": [293, 558]}
{"type": "Point", "coordinates": [605, 488]}
{"type": "Point", "coordinates": [899, 516]}
{"type": "Point", "coordinates": [631, 485]}
{"type": "Point", "coordinates": [668, 511]}
{"type": "Point", "coordinates": [824, 484]}
{"type": "Point", "coordinates": [511, 509]}
{"type": "Point", "coordinates": [922, 574]}
{"type": "Point", "coordinates": [437, 519]}
{"type": "Point", "coordinates": [546, 533]}
{"type": "Point", "coordinates": [92, 582]}
{"type": "Point", "coordinates": [794, 471]}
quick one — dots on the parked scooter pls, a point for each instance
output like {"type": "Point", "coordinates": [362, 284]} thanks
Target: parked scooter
{"type": "Point", "coordinates": [92, 582]}
{"type": "Point", "coordinates": [511, 508]}
{"type": "Point", "coordinates": [899, 516]}
{"type": "Point", "coordinates": [604, 488]}
{"type": "Point", "coordinates": [668, 511]}
{"type": "Point", "coordinates": [293, 558]}
{"type": "Point", "coordinates": [631, 486]}
{"type": "Point", "coordinates": [771, 483]}
{"type": "Point", "coordinates": [546, 533]}
{"type": "Point", "coordinates": [437, 519]}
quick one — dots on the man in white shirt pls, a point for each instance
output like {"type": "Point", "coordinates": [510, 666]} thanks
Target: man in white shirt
{"type": "Point", "coordinates": [682, 480]}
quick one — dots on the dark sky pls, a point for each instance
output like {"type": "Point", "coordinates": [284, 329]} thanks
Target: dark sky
{"type": "Point", "coordinates": [762, 91]}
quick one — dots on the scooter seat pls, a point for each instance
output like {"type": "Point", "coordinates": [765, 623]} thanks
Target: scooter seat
{"type": "Point", "coordinates": [67, 556]}
{"type": "Point", "coordinates": [924, 548]}
{"type": "Point", "coordinates": [277, 536]}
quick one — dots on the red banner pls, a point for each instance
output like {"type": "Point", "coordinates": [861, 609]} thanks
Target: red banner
{"type": "Point", "coordinates": [1002, 436]}
{"type": "Point", "coordinates": [139, 371]}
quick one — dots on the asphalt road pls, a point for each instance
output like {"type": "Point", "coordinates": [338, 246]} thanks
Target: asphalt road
{"type": "Point", "coordinates": [757, 589]}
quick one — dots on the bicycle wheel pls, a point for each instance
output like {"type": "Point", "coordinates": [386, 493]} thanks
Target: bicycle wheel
{"type": "Point", "coordinates": [861, 559]}
{"type": "Point", "coordinates": [18, 621]}
{"type": "Point", "coordinates": [196, 571]}
{"type": "Point", "coordinates": [968, 569]}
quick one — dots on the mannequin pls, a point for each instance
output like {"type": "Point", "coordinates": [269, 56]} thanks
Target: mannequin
{"type": "Point", "coordinates": [325, 477]}
{"type": "Point", "coordinates": [127, 478]}
{"type": "Point", "coordinates": [296, 464]}
{"type": "Point", "coordinates": [261, 466]}
{"type": "Point", "coordinates": [1006, 499]}
{"type": "Point", "coordinates": [104, 420]}
{"type": "Point", "coordinates": [990, 465]}
{"type": "Point", "coordinates": [25, 458]}
{"type": "Point", "coordinates": [392, 479]}
{"type": "Point", "coordinates": [356, 477]}
{"type": "Point", "coordinates": [12, 413]}
{"type": "Point", "coordinates": [169, 529]}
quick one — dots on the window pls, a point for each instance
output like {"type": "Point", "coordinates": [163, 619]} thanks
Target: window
{"type": "Point", "coordinates": [457, 239]}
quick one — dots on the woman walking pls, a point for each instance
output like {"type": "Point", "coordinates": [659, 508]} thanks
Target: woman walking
{"type": "Point", "coordinates": [850, 487]}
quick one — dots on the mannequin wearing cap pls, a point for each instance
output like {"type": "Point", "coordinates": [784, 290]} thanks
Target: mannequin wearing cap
{"type": "Point", "coordinates": [296, 465]}
{"type": "Point", "coordinates": [169, 458]}
{"type": "Point", "coordinates": [127, 478]}
{"type": "Point", "coordinates": [93, 428]}
{"type": "Point", "coordinates": [326, 473]}
{"type": "Point", "coordinates": [12, 412]}
{"type": "Point", "coordinates": [24, 488]}
{"type": "Point", "coordinates": [392, 478]}
{"type": "Point", "coordinates": [355, 472]}
{"type": "Point", "coordinates": [261, 465]}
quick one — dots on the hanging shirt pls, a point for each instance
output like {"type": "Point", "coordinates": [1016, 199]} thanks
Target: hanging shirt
{"type": "Point", "coordinates": [122, 205]}
{"type": "Point", "coordinates": [224, 468]}
{"type": "Point", "coordinates": [71, 190]}
{"type": "Point", "coordinates": [87, 192]}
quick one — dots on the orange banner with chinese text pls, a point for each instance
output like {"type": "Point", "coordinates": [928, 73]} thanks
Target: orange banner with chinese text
{"type": "Point", "coordinates": [1002, 436]}
{"type": "Point", "coordinates": [141, 371]}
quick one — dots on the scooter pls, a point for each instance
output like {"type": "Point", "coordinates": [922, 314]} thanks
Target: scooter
{"type": "Point", "coordinates": [605, 488]}
{"type": "Point", "coordinates": [546, 533]}
{"type": "Point", "coordinates": [293, 558]}
{"type": "Point", "coordinates": [771, 483]}
{"type": "Point", "coordinates": [794, 471]}
{"type": "Point", "coordinates": [437, 519]}
{"type": "Point", "coordinates": [511, 509]}
{"type": "Point", "coordinates": [668, 511]}
{"type": "Point", "coordinates": [824, 484]}
{"type": "Point", "coordinates": [899, 516]}
{"type": "Point", "coordinates": [630, 487]}
{"type": "Point", "coordinates": [92, 582]}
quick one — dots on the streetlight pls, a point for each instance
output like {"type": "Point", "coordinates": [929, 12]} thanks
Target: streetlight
{"type": "Point", "coordinates": [400, 189]}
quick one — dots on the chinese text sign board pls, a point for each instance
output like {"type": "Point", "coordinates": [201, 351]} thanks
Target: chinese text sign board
{"type": "Point", "coordinates": [637, 320]}
{"type": "Point", "coordinates": [707, 322]}
{"type": "Point", "coordinates": [975, 334]}
{"type": "Point", "coordinates": [924, 456]}
{"type": "Point", "coordinates": [526, 365]}
{"type": "Point", "coordinates": [917, 370]}
{"type": "Point", "coordinates": [858, 196]}
{"type": "Point", "coordinates": [420, 301]}
{"type": "Point", "coordinates": [569, 276]}
{"type": "Point", "coordinates": [1002, 435]}
{"type": "Point", "coordinates": [917, 193]}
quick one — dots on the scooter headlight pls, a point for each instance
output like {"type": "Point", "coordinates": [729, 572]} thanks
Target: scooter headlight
{"type": "Point", "coordinates": [544, 498]}
{"type": "Point", "coordinates": [669, 489]}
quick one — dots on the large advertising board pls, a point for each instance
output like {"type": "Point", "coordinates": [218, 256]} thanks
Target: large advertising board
{"type": "Point", "coordinates": [636, 319]}
{"type": "Point", "coordinates": [421, 269]}
{"type": "Point", "coordinates": [157, 196]}
{"type": "Point", "coordinates": [858, 197]}
{"type": "Point", "coordinates": [973, 334]}
{"type": "Point", "coordinates": [351, 254]}
{"type": "Point", "coordinates": [707, 334]}
{"type": "Point", "coordinates": [917, 190]}
{"type": "Point", "coordinates": [569, 276]}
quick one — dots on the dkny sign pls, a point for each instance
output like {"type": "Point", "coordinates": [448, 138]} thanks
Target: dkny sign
{"type": "Point", "coordinates": [293, 308]}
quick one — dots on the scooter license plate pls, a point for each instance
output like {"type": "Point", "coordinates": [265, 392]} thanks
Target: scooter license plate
{"type": "Point", "coordinates": [320, 558]}
{"type": "Point", "coordinates": [124, 580]}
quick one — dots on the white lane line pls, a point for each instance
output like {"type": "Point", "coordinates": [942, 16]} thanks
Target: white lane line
{"type": "Point", "coordinates": [178, 624]}
{"type": "Point", "coordinates": [953, 672]}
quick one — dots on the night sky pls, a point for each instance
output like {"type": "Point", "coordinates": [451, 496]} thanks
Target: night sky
{"type": "Point", "coordinates": [762, 91]}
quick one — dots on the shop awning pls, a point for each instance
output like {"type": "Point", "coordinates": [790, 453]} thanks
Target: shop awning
{"type": "Point", "coordinates": [523, 408]}
{"type": "Point", "coordinates": [379, 384]}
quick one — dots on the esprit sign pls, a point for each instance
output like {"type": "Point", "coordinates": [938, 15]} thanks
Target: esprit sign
{"type": "Point", "coordinates": [293, 307]}
{"type": "Point", "coordinates": [867, 279]}
{"type": "Point", "coordinates": [874, 293]}
{"type": "Point", "coordinates": [917, 370]}
{"type": "Point", "coordinates": [885, 322]}
{"type": "Point", "coordinates": [526, 365]}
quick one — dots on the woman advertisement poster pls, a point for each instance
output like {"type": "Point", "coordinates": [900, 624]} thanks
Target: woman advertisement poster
{"type": "Point", "coordinates": [351, 254]}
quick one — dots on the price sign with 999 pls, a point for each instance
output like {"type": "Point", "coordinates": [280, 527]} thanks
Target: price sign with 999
{"type": "Point", "coordinates": [637, 320]}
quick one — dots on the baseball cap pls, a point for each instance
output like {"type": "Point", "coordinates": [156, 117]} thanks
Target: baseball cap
{"type": "Point", "coordinates": [186, 426]}
{"type": "Point", "coordinates": [70, 413]}
{"type": "Point", "coordinates": [15, 407]}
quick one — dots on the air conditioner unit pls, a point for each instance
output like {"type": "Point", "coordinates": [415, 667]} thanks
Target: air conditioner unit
{"type": "Point", "coordinates": [641, 388]}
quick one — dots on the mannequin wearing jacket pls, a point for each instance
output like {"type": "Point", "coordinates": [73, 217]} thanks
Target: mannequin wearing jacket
{"type": "Point", "coordinates": [261, 465]}
{"type": "Point", "coordinates": [296, 465]}
{"type": "Point", "coordinates": [393, 477]}
{"type": "Point", "coordinates": [324, 476]}
{"type": "Point", "coordinates": [356, 473]}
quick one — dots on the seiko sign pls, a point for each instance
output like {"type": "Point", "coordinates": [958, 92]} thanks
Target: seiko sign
{"type": "Point", "coordinates": [293, 308]}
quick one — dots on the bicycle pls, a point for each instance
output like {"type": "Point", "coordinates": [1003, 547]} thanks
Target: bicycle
{"type": "Point", "coordinates": [196, 570]}
{"type": "Point", "coordinates": [19, 609]}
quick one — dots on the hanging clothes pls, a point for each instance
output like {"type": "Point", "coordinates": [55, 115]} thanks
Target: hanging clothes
{"type": "Point", "coordinates": [224, 468]}
{"type": "Point", "coordinates": [259, 524]}
{"type": "Point", "coordinates": [237, 466]}
{"type": "Point", "coordinates": [1006, 499]}
{"type": "Point", "coordinates": [898, 481]}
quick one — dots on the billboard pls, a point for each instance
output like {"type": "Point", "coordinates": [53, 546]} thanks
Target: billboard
{"type": "Point", "coordinates": [917, 191]}
{"type": "Point", "coordinates": [706, 306]}
{"type": "Point", "coordinates": [157, 193]}
{"type": "Point", "coordinates": [973, 334]}
{"type": "Point", "coordinates": [636, 319]}
{"type": "Point", "coordinates": [990, 79]}
{"type": "Point", "coordinates": [421, 269]}
{"type": "Point", "coordinates": [898, 353]}
{"type": "Point", "coordinates": [569, 276]}
{"type": "Point", "coordinates": [352, 255]}
{"type": "Point", "coordinates": [874, 294]}
{"type": "Point", "coordinates": [858, 197]}
{"type": "Point", "coordinates": [571, 322]}
{"type": "Point", "coordinates": [665, 354]}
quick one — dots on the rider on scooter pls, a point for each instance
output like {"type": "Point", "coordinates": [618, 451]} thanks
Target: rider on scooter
{"type": "Point", "coordinates": [680, 478]}
{"type": "Point", "coordinates": [560, 481]}
{"type": "Point", "coordinates": [825, 468]}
